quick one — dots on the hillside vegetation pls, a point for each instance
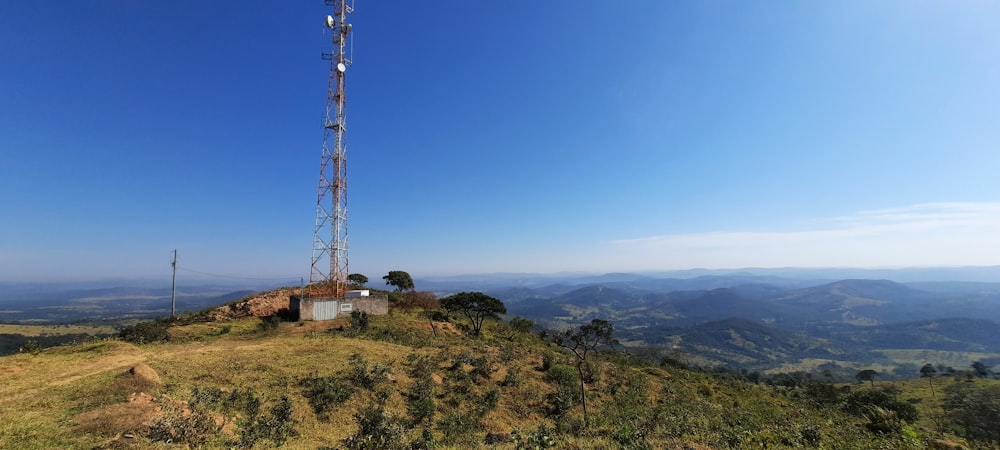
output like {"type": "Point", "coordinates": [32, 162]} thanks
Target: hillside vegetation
{"type": "Point", "coordinates": [403, 381]}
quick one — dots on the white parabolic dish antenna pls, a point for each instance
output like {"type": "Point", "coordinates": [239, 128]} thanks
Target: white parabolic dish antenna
{"type": "Point", "coordinates": [341, 67]}
{"type": "Point", "coordinates": [330, 22]}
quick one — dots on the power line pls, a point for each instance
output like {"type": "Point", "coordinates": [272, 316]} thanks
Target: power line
{"type": "Point", "coordinates": [237, 277]}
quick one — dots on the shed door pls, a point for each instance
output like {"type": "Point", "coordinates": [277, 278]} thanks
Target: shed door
{"type": "Point", "coordinates": [325, 310]}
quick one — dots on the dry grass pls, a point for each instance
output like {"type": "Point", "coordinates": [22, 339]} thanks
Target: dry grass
{"type": "Point", "coordinates": [55, 330]}
{"type": "Point", "coordinates": [90, 395]}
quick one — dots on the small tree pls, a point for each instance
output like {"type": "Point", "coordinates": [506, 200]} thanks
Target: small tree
{"type": "Point", "coordinates": [583, 341]}
{"type": "Point", "coordinates": [476, 306]}
{"type": "Point", "coordinates": [400, 279]}
{"type": "Point", "coordinates": [928, 371]}
{"type": "Point", "coordinates": [981, 370]}
{"type": "Point", "coordinates": [357, 278]}
{"type": "Point", "coordinates": [868, 375]}
{"type": "Point", "coordinates": [426, 301]}
{"type": "Point", "coordinates": [518, 325]}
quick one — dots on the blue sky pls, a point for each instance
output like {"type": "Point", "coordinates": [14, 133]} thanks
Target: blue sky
{"type": "Point", "coordinates": [500, 136]}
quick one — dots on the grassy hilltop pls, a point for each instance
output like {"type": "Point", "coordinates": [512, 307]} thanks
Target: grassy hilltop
{"type": "Point", "coordinates": [241, 381]}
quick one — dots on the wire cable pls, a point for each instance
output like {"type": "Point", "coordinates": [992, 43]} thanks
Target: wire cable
{"type": "Point", "coordinates": [237, 277]}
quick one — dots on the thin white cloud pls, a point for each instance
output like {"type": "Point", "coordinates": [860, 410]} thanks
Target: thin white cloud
{"type": "Point", "coordinates": [933, 234]}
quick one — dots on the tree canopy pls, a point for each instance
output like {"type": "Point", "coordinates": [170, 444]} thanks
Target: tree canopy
{"type": "Point", "coordinates": [400, 279]}
{"type": "Point", "coordinates": [357, 278]}
{"type": "Point", "coordinates": [476, 306]}
{"type": "Point", "coordinates": [867, 375]}
{"type": "Point", "coordinates": [928, 371]}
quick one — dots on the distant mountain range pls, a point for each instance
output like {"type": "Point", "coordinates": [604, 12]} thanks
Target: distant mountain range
{"type": "Point", "coordinates": [759, 319]}
{"type": "Point", "coordinates": [762, 322]}
{"type": "Point", "coordinates": [41, 304]}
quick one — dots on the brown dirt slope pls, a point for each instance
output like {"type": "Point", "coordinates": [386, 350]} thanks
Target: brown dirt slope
{"type": "Point", "coordinates": [262, 304]}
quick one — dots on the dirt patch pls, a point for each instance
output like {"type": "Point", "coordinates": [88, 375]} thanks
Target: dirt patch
{"type": "Point", "coordinates": [4, 371]}
{"type": "Point", "coordinates": [313, 327]}
{"type": "Point", "coordinates": [135, 416]}
{"type": "Point", "coordinates": [442, 327]}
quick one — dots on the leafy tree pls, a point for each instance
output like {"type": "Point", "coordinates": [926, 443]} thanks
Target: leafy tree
{"type": "Point", "coordinates": [584, 341]}
{"type": "Point", "coordinates": [981, 370]}
{"type": "Point", "coordinates": [357, 278]}
{"type": "Point", "coordinates": [928, 371]}
{"type": "Point", "coordinates": [476, 306]}
{"type": "Point", "coordinates": [868, 375]}
{"type": "Point", "coordinates": [400, 279]}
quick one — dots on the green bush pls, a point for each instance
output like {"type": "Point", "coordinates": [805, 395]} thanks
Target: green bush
{"type": "Point", "coordinates": [324, 394]}
{"type": "Point", "coordinates": [859, 403]}
{"type": "Point", "coordinates": [268, 323]}
{"type": "Point", "coordinates": [512, 378]}
{"type": "Point", "coordinates": [193, 427]}
{"type": "Point", "coordinates": [30, 346]}
{"type": "Point", "coordinates": [458, 428]}
{"type": "Point", "coordinates": [540, 438]}
{"type": "Point", "coordinates": [276, 426]}
{"type": "Point", "coordinates": [146, 332]}
{"type": "Point", "coordinates": [562, 374]}
{"type": "Point", "coordinates": [364, 378]}
{"type": "Point", "coordinates": [376, 430]}
{"type": "Point", "coordinates": [485, 403]}
{"type": "Point", "coordinates": [420, 366]}
{"type": "Point", "coordinates": [974, 410]}
{"type": "Point", "coordinates": [360, 320]}
{"type": "Point", "coordinates": [561, 401]}
{"type": "Point", "coordinates": [420, 401]}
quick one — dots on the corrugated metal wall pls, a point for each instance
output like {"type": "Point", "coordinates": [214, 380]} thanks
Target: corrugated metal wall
{"type": "Point", "coordinates": [325, 310]}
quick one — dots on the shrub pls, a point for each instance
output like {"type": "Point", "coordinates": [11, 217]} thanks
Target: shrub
{"type": "Point", "coordinates": [362, 377]}
{"type": "Point", "coordinates": [324, 394]}
{"type": "Point", "coordinates": [974, 410]}
{"type": "Point", "coordinates": [420, 401]}
{"type": "Point", "coordinates": [561, 401]}
{"type": "Point", "coordinates": [547, 360]}
{"type": "Point", "coordinates": [268, 323]}
{"type": "Point", "coordinates": [276, 426]}
{"type": "Point", "coordinates": [360, 320]}
{"type": "Point", "coordinates": [541, 438]}
{"type": "Point", "coordinates": [193, 428]}
{"type": "Point", "coordinates": [859, 403]}
{"type": "Point", "coordinates": [512, 378]}
{"type": "Point", "coordinates": [458, 428]}
{"type": "Point", "coordinates": [420, 365]}
{"type": "Point", "coordinates": [485, 403]}
{"type": "Point", "coordinates": [30, 346]}
{"type": "Point", "coordinates": [146, 332]}
{"type": "Point", "coordinates": [376, 430]}
{"type": "Point", "coordinates": [561, 374]}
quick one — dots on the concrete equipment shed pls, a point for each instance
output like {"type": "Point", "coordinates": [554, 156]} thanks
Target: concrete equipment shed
{"type": "Point", "coordinates": [329, 308]}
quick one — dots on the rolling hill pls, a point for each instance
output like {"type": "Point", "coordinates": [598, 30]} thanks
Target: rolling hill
{"type": "Point", "coordinates": [394, 383]}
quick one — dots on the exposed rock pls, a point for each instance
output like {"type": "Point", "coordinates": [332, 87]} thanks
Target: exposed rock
{"type": "Point", "coordinates": [259, 305]}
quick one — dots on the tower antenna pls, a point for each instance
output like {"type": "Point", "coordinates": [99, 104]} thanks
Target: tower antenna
{"type": "Point", "coordinates": [330, 234]}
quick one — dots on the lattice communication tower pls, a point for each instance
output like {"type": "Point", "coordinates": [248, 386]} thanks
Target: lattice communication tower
{"type": "Point", "coordinates": [330, 235]}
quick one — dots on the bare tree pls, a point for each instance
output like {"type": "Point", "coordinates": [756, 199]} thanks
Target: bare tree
{"type": "Point", "coordinates": [583, 341]}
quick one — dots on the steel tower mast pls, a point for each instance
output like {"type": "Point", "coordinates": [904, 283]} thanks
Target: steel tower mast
{"type": "Point", "coordinates": [330, 234]}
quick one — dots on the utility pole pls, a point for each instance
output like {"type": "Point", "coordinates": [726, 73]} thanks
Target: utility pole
{"type": "Point", "coordinates": [173, 287]}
